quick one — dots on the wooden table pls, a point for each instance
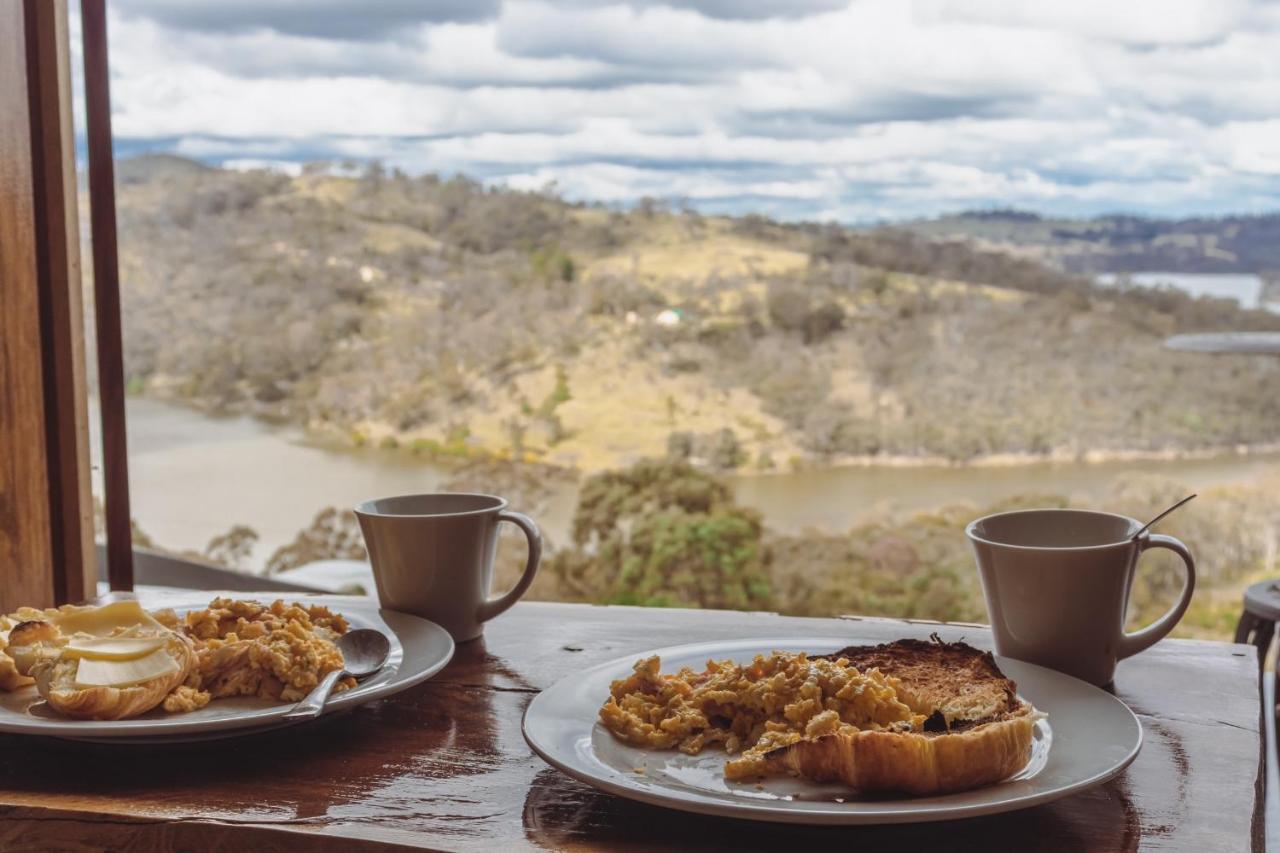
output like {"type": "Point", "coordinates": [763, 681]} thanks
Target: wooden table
{"type": "Point", "coordinates": [444, 766]}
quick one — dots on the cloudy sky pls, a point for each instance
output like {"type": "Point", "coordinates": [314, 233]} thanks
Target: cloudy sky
{"type": "Point", "coordinates": [815, 109]}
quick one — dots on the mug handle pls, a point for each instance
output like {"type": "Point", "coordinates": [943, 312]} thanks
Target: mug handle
{"type": "Point", "coordinates": [1131, 644]}
{"type": "Point", "coordinates": [494, 606]}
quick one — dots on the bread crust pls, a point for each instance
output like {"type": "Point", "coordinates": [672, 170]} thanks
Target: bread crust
{"type": "Point", "coordinates": [34, 648]}
{"type": "Point", "coordinates": [55, 682]}
{"type": "Point", "coordinates": [963, 684]}
{"type": "Point", "coordinates": [913, 763]}
{"type": "Point", "coordinates": [979, 731]}
{"type": "Point", "coordinates": [10, 677]}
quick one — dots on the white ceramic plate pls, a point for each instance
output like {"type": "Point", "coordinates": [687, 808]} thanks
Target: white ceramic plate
{"type": "Point", "coordinates": [419, 649]}
{"type": "Point", "coordinates": [1088, 738]}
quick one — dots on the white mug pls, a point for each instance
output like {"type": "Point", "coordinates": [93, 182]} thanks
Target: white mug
{"type": "Point", "coordinates": [432, 556]}
{"type": "Point", "coordinates": [1057, 585]}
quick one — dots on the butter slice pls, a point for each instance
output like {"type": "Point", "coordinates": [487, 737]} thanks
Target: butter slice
{"type": "Point", "coordinates": [112, 648]}
{"type": "Point", "coordinates": [124, 673]}
{"type": "Point", "coordinates": [103, 621]}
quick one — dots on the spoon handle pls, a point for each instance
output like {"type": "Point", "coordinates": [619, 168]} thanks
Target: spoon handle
{"type": "Point", "coordinates": [1144, 528]}
{"type": "Point", "coordinates": [310, 707]}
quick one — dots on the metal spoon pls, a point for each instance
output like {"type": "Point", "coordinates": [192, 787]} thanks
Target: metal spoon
{"type": "Point", "coordinates": [364, 651]}
{"type": "Point", "coordinates": [1144, 528]}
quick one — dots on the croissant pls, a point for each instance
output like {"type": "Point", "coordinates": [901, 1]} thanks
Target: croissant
{"type": "Point", "coordinates": [915, 763]}
{"type": "Point", "coordinates": [36, 648]}
{"type": "Point", "coordinates": [979, 731]}
{"type": "Point", "coordinates": [10, 678]}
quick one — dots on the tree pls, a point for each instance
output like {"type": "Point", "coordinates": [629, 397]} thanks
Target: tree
{"type": "Point", "coordinates": [821, 322]}
{"type": "Point", "coordinates": [613, 499]}
{"type": "Point", "coordinates": [663, 533]}
{"type": "Point", "coordinates": [233, 548]}
{"type": "Point", "coordinates": [333, 535]}
{"type": "Point", "coordinates": [724, 451]}
{"type": "Point", "coordinates": [695, 560]}
{"type": "Point", "coordinates": [788, 307]}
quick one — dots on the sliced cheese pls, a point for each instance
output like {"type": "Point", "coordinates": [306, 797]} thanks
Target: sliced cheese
{"type": "Point", "coordinates": [102, 621]}
{"type": "Point", "coordinates": [124, 673]}
{"type": "Point", "coordinates": [112, 648]}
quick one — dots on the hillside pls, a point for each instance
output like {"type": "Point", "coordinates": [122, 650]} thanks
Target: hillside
{"type": "Point", "coordinates": [1229, 244]}
{"type": "Point", "coordinates": [440, 317]}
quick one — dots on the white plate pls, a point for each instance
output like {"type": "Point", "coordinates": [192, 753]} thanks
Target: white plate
{"type": "Point", "coordinates": [1093, 735]}
{"type": "Point", "coordinates": [419, 649]}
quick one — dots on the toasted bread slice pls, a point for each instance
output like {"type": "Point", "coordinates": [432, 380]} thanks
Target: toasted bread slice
{"type": "Point", "coordinates": [954, 684]}
{"type": "Point", "coordinates": [977, 730]}
{"type": "Point", "coordinates": [914, 763]}
{"type": "Point", "coordinates": [40, 650]}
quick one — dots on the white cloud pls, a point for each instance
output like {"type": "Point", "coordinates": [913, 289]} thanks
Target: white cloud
{"type": "Point", "coordinates": [337, 19]}
{"type": "Point", "coordinates": [253, 164]}
{"type": "Point", "coordinates": [877, 108]}
{"type": "Point", "coordinates": [1138, 22]}
{"type": "Point", "coordinates": [1251, 147]}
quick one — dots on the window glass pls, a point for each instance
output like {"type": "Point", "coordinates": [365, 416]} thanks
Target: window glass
{"type": "Point", "coordinates": [749, 305]}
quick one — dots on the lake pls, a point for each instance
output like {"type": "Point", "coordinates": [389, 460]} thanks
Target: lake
{"type": "Point", "coordinates": [1245, 288]}
{"type": "Point", "coordinates": [193, 476]}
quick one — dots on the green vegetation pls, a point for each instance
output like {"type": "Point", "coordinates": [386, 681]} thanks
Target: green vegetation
{"type": "Point", "coordinates": [552, 264]}
{"type": "Point", "coordinates": [667, 534]}
{"type": "Point", "coordinates": [664, 534]}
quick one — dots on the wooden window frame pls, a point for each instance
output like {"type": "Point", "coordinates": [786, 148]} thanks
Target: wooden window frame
{"type": "Point", "coordinates": [47, 551]}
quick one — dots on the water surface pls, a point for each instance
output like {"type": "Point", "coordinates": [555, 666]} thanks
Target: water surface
{"type": "Point", "coordinates": [1245, 288]}
{"type": "Point", "coordinates": [193, 476]}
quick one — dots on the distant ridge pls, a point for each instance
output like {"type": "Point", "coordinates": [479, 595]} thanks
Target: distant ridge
{"type": "Point", "coordinates": [149, 167]}
{"type": "Point", "coordinates": [1238, 243]}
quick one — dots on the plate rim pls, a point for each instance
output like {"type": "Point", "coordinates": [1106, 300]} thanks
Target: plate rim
{"type": "Point", "coordinates": [261, 719]}
{"type": "Point", "coordinates": [779, 811]}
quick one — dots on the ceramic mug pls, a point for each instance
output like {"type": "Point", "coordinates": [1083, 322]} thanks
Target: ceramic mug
{"type": "Point", "coordinates": [432, 556]}
{"type": "Point", "coordinates": [1057, 585]}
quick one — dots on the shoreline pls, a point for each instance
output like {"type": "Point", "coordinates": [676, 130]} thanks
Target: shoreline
{"type": "Point", "coordinates": [1015, 460]}
{"type": "Point", "coordinates": [329, 440]}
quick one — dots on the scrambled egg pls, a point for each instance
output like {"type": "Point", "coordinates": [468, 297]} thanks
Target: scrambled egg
{"type": "Point", "coordinates": [243, 648]}
{"type": "Point", "coordinates": [750, 710]}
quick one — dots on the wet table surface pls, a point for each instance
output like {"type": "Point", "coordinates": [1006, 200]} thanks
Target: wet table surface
{"type": "Point", "coordinates": [443, 766]}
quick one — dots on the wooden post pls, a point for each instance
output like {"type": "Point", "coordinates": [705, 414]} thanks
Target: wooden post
{"type": "Point", "coordinates": [46, 527]}
{"type": "Point", "coordinates": [58, 270]}
{"type": "Point", "coordinates": [106, 289]}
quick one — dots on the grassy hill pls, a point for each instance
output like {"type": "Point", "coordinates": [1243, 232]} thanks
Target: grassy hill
{"type": "Point", "coordinates": [1229, 244]}
{"type": "Point", "coordinates": [440, 317]}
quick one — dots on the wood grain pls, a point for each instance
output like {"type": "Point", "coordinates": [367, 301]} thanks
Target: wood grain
{"type": "Point", "coordinates": [106, 294]}
{"type": "Point", "coordinates": [25, 542]}
{"type": "Point", "coordinates": [74, 563]}
{"type": "Point", "coordinates": [444, 766]}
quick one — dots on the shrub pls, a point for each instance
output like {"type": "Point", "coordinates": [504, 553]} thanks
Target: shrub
{"type": "Point", "coordinates": [695, 560]}
{"type": "Point", "coordinates": [788, 307]}
{"type": "Point", "coordinates": [334, 534]}
{"type": "Point", "coordinates": [552, 263]}
{"type": "Point", "coordinates": [233, 548]}
{"type": "Point", "coordinates": [665, 534]}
